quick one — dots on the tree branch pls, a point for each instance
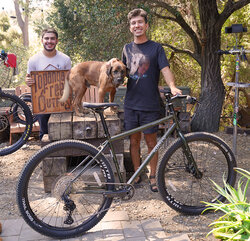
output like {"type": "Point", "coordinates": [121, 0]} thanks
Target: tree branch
{"type": "Point", "coordinates": [22, 23]}
{"type": "Point", "coordinates": [165, 17]}
{"type": "Point", "coordinates": [230, 7]}
{"type": "Point", "coordinates": [18, 14]}
{"type": "Point", "coordinates": [176, 50]}
{"type": "Point", "coordinates": [180, 20]}
{"type": "Point", "coordinates": [187, 8]}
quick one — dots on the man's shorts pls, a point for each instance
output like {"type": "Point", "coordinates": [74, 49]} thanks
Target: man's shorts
{"type": "Point", "coordinates": [136, 118]}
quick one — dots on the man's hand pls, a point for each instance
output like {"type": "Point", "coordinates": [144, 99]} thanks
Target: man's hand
{"type": "Point", "coordinates": [169, 78]}
{"type": "Point", "coordinates": [29, 81]}
{"type": "Point", "coordinates": [175, 91]}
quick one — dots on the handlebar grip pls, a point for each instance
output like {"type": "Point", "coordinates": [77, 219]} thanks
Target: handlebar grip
{"type": "Point", "coordinates": [3, 55]}
{"type": "Point", "coordinates": [165, 91]}
{"type": "Point", "coordinates": [189, 99]}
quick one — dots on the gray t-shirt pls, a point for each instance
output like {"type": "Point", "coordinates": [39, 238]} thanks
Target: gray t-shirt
{"type": "Point", "coordinates": [40, 62]}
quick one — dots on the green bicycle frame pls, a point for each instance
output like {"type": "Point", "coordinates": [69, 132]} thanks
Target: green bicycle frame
{"type": "Point", "coordinates": [110, 139]}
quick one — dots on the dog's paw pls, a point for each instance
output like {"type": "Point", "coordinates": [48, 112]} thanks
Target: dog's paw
{"type": "Point", "coordinates": [111, 111]}
{"type": "Point", "coordinates": [82, 112]}
{"type": "Point", "coordinates": [114, 109]}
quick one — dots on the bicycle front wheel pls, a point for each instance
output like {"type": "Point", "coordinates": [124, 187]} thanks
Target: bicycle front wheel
{"type": "Point", "coordinates": [7, 118]}
{"type": "Point", "coordinates": [61, 190]}
{"type": "Point", "coordinates": [179, 188]}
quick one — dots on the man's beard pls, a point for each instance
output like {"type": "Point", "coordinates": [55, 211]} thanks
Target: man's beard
{"type": "Point", "coordinates": [49, 50]}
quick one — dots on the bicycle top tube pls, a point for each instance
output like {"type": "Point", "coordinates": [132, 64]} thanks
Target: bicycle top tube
{"type": "Point", "coordinates": [140, 128]}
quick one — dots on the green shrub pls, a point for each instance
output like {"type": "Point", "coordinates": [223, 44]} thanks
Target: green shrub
{"type": "Point", "coordinates": [235, 223]}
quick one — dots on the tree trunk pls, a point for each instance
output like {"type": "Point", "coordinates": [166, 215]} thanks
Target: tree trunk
{"type": "Point", "coordinates": [207, 117]}
{"type": "Point", "coordinates": [23, 24]}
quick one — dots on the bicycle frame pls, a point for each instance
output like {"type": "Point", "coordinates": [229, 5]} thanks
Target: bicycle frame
{"type": "Point", "coordinates": [111, 139]}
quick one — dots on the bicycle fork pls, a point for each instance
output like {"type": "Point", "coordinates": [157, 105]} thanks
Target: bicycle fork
{"type": "Point", "coordinates": [191, 165]}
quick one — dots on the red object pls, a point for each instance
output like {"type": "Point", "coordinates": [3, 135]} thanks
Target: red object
{"type": "Point", "coordinates": [11, 61]}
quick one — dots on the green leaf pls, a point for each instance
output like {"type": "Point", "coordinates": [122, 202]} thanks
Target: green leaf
{"type": "Point", "coordinates": [235, 223]}
{"type": "Point", "coordinates": [243, 172]}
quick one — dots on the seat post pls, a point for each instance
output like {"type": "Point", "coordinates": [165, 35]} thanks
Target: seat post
{"type": "Point", "coordinates": [104, 123]}
{"type": "Point", "coordinates": [107, 135]}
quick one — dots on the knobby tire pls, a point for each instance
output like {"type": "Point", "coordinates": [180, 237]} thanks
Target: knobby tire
{"type": "Point", "coordinates": [7, 104]}
{"type": "Point", "coordinates": [49, 173]}
{"type": "Point", "coordinates": [179, 188]}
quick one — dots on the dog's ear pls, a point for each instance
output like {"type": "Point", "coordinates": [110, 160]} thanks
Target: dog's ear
{"type": "Point", "coordinates": [111, 61]}
{"type": "Point", "coordinates": [108, 68]}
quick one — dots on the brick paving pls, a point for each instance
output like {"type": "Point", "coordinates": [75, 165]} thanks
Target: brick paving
{"type": "Point", "coordinates": [115, 226]}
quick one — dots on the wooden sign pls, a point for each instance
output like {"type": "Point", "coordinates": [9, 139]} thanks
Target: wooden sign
{"type": "Point", "coordinates": [47, 91]}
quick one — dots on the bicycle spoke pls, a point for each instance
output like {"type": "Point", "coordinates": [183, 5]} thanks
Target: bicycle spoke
{"type": "Point", "coordinates": [61, 196]}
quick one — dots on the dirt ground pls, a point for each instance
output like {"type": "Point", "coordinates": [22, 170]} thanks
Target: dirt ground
{"type": "Point", "coordinates": [145, 204]}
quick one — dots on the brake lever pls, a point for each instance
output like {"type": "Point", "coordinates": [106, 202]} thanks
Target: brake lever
{"type": "Point", "coordinates": [192, 100]}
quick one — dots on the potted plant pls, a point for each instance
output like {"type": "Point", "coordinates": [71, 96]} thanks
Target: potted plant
{"type": "Point", "coordinates": [235, 223]}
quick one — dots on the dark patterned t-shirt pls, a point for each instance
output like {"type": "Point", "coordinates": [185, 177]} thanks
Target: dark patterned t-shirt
{"type": "Point", "coordinates": [144, 62]}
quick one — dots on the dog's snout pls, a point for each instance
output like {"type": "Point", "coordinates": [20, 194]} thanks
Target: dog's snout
{"type": "Point", "coordinates": [118, 81]}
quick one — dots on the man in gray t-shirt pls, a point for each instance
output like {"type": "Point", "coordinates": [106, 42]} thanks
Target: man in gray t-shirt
{"type": "Point", "coordinates": [48, 59]}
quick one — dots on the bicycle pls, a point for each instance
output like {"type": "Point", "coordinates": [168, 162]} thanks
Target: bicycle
{"type": "Point", "coordinates": [80, 197]}
{"type": "Point", "coordinates": [12, 110]}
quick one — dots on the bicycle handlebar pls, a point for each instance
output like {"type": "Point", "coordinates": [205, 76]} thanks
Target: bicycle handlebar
{"type": "Point", "coordinates": [233, 51]}
{"type": "Point", "coordinates": [3, 55]}
{"type": "Point", "coordinates": [190, 99]}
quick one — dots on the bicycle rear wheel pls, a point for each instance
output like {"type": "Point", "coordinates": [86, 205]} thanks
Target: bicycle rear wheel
{"type": "Point", "coordinates": [61, 190]}
{"type": "Point", "coordinates": [179, 188]}
{"type": "Point", "coordinates": [7, 117]}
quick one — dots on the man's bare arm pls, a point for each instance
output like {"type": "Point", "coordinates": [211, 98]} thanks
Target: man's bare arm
{"type": "Point", "coordinates": [169, 79]}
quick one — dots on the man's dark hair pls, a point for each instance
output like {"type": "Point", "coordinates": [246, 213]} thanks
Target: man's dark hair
{"type": "Point", "coordinates": [49, 30]}
{"type": "Point", "coordinates": [138, 12]}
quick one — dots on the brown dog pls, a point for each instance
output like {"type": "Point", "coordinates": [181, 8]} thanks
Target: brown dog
{"type": "Point", "coordinates": [105, 75]}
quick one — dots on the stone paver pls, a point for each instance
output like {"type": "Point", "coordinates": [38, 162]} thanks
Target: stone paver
{"type": "Point", "coordinates": [115, 226]}
{"type": "Point", "coordinates": [180, 237]}
{"type": "Point", "coordinates": [132, 229]}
